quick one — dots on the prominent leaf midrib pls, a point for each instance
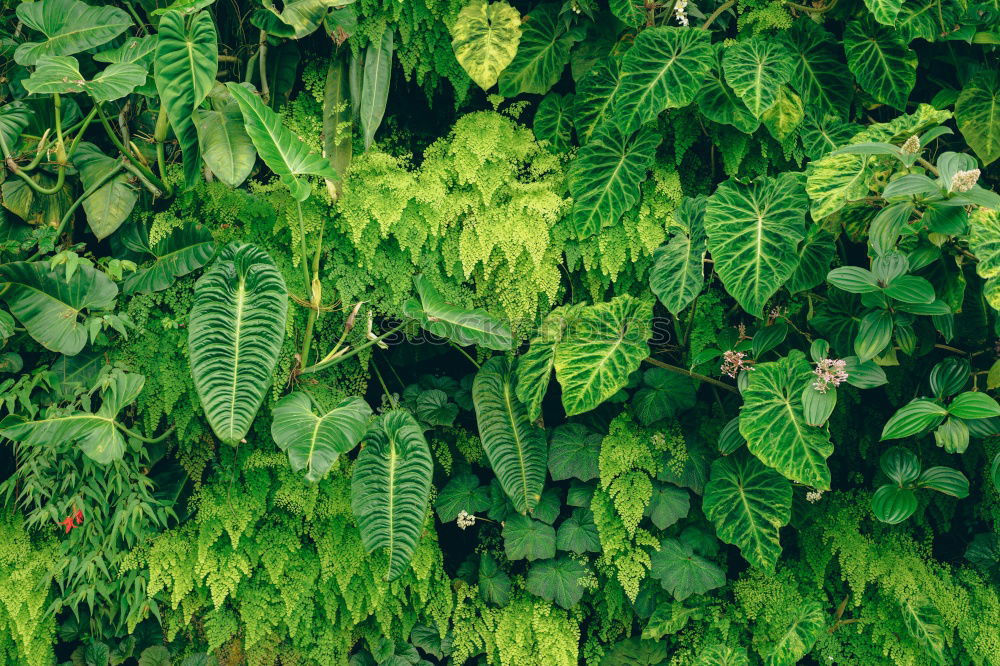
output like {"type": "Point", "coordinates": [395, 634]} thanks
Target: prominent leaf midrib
{"type": "Point", "coordinates": [392, 498]}
{"type": "Point", "coordinates": [755, 531]}
{"type": "Point", "coordinates": [312, 441]}
{"type": "Point", "coordinates": [596, 370]}
{"type": "Point", "coordinates": [368, 94]}
{"type": "Point", "coordinates": [518, 445]}
{"type": "Point", "coordinates": [240, 298]}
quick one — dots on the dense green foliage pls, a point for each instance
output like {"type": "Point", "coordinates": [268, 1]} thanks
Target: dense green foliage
{"type": "Point", "coordinates": [558, 332]}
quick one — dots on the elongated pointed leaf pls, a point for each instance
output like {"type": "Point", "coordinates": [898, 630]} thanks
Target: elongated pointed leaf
{"type": "Point", "coordinates": [485, 38]}
{"type": "Point", "coordinates": [283, 152]}
{"type": "Point", "coordinates": [677, 276]}
{"type": "Point", "coordinates": [186, 249]}
{"type": "Point", "coordinates": [314, 443]}
{"type": "Point", "coordinates": [756, 69]}
{"type": "Point", "coordinates": [749, 503]}
{"type": "Point", "coordinates": [774, 425]}
{"type": "Point", "coordinates": [753, 234]}
{"type": "Point", "coordinates": [110, 205]}
{"type": "Point", "coordinates": [819, 74]}
{"type": "Point", "coordinates": [460, 325]}
{"type": "Point", "coordinates": [534, 367]}
{"type": "Point", "coordinates": [337, 125]}
{"type": "Point", "coordinates": [61, 74]}
{"type": "Point", "coordinates": [69, 27]}
{"type": "Point", "coordinates": [977, 112]}
{"type": "Point", "coordinates": [186, 62]}
{"type": "Point", "coordinates": [542, 53]}
{"type": "Point", "coordinates": [375, 90]}
{"type": "Point", "coordinates": [881, 62]}
{"type": "Point", "coordinates": [390, 488]}
{"type": "Point", "coordinates": [225, 145]}
{"type": "Point", "coordinates": [514, 446]}
{"type": "Point", "coordinates": [235, 331]}
{"type": "Point", "coordinates": [50, 306]}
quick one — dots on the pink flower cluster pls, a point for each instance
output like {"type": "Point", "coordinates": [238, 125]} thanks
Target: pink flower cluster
{"type": "Point", "coordinates": [733, 362]}
{"type": "Point", "coordinates": [829, 371]}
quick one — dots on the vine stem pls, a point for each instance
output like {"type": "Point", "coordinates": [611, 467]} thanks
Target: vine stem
{"type": "Point", "coordinates": [150, 176]}
{"type": "Point", "coordinates": [717, 13]}
{"type": "Point", "coordinates": [463, 352]}
{"type": "Point", "coordinates": [353, 352]}
{"type": "Point", "coordinates": [146, 440]}
{"type": "Point", "coordinates": [687, 373]}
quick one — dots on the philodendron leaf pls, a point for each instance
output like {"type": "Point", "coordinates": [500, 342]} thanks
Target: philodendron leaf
{"type": "Point", "coordinates": [553, 121]}
{"type": "Point", "coordinates": [595, 97]}
{"type": "Point", "coordinates": [516, 448]}
{"type": "Point", "coordinates": [749, 503]}
{"type": "Point", "coordinates": [314, 443]}
{"type": "Point", "coordinates": [485, 38]}
{"type": "Point", "coordinates": [756, 70]}
{"type": "Point", "coordinates": [753, 234]}
{"type": "Point", "coordinates": [283, 152]}
{"type": "Point", "coordinates": [185, 65]}
{"type": "Point", "coordinates": [235, 332]}
{"type": "Point", "coordinates": [884, 11]}
{"type": "Point", "coordinates": [976, 112]}
{"type": "Point", "coordinates": [924, 623]}
{"type": "Point", "coordinates": [881, 62]}
{"type": "Point", "coordinates": [390, 488]}
{"type": "Point", "coordinates": [681, 572]}
{"type": "Point", "coordinates": [375, 90]}
{"type": "Point", "coordinates": [677, 276]}
{"type": "Point", "coordinates": [50, 306]}
{"type": "Point", "coordinates": [69, 27]}
{"type": "Point", "coordinates": [819, 74]}
{"type": "Point", "coordinates": [109, 205]}
{"type": "Point", "coordinates": [461, 326]}
{"type": "Point", "coordinates": [61, 74]}
{"type": "Point", "coordinates": [774, 425]}
{"type": "Point", "coordinates": [804, 626]}
{"type": "Point", "coordinates": [534, 367]}
{"type": "Point", "coordinates": [717, 101]}
{"type": "Point", "coordinates": [557, 580]}
{"type": "Point", "coordinates": [135, 50]}
{"type": "Point", "coordinates": [600, 349]}
{"type": "Point", "coordinates": [225, 146]}
{"type": "Point", "coordinates": [542, 53]}
{"type": "Point", "coordinates": [184, 250]}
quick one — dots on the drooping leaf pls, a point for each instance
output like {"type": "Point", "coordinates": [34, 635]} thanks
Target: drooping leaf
{"type": "Point", "coordinates": [225, 146]}
{"type": "Point", "coordinates": [300, 18]}
{"type": "Point", "coordinates": [815, 255]}
{"type": "Point", "coordinates": [185, 249]}
{"type": "Point", "coordinates": [485, 38]}
{"type": "Point", "coordinates": [515, 447]}
{"type": "Point", "coordinates": [337, 116]}
{"type": "Point", "coordinates": [185, 65]}
{"type": "Point", "coordinates": [749, 503]}
{"type": "Point", "coordinates": [881, 62]}
{"type": "Point", "coordinates": [69, 26]}
{"type": "Point", "coordinates": [314, 443]}
{"type": "Point", "coordinates": [785, 115]}
{"type": "Point", "coordinates": [605, 177]}
{"type": "Point", "coordinates": [534, 367]}
{"type": "Point", "coordinates": [681, 572]}
{"type": "Point", "coordinates": [109, 205]}
{"type": "Point", "coordinates": [823, 134]}
{"type": "Point", "coordinates": [977, 111]}
{"type": "Point", "coordinates": [390, 488]}
{"type": "Point", "coordinates": [774, 425]}
{"type": "Point", "coordinates": [818, 74]}
{"type": "Point", "coordinates": [917, 416]}
{"type": "Point", "coordinates": [235, 332]}
{"type": "Point", "coordinates": [494, 583]}
{"type": "Point", "coordinates": [600, 349]}
{"type": "Point", "coordinates": [677, 276]}
{"type": "Point", "coordinates": [542, 53]}
{"type": "Point", "coordinates": [664, 69]}
{"type": "Point", "coordinates": [14, 118]}
{"type": "Point", "coordinates": [756, 69]}
{"type": "Point", "coordinates": [924, 623]}
{"type": "Point", "coordinates": [527, 539]}
{"type": "Point", "coordinates": [753, 235]}
{"type": "Point", "coordinates": [717, 101]}
{"type": "Point", "coordinates": [834, 180]}
{"type": "Point", "coordinates": [557, 580]}
{"type": "Point", "coordinates": [50, 306]}
{"type": "Point", "coordinates": [595, 97]}
{"type": "Point", "coordinates": [805, 626]}
{"type": "Point", "coordinates": [462, 326]}
{"type": "Point", "coordinates": [375, 89]}
{"type": "Point", "coordinates": [283, 152]}
{"type": "Point", "coordinates": [135, 50]}
{"type": "Point", "coordinates": [554, 121]}
{"type": "Point", "coordinates": [61, 74]}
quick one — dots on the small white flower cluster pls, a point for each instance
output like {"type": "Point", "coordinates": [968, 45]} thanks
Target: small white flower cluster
{"type": "Point", "coordinates": [732, 363]}
{"type": "Point", "coordinates": [680, 12]}
{"type": "Point", "coordinates": [576, 8]}
{"type": "Point", "coordinates": [963, 181]}
{"type": "Point", "coordinates": [829, 371]}
{"type": "Point", "coordinates": [912, 145]}
{"type": "Point", "coordinates": [465, 519]}
{"type": "Point", "coordinates": [814, 496]}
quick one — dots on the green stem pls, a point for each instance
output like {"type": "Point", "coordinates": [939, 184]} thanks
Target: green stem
{"type": "Point", "coordinates": [150, 176]}
{"type": "Point", "coordinates": [83, 128]}
{"type": "Point", "coordinates": [313, 296]}
{"type": "Point", "coordinates": [381, 380]}
{"type": "Point", "coordinates": [688, 373]}
{"type": "Point", "coordinates": [717, 13]}
{"type": "Point", "coordinates": [159, 136]}
{"type": "Point", "coordinates": [462, 351]}
{"type": "Point", "coordinates": [28, 180]}
{"type": "Point", "coordinates": [57, 103]}
{"type": "Point", "coordinates": [352, 353]}
{"type": "Point", "coordinates": [146, 440]}
{"type": "Point", "coordinates": [39, 153]}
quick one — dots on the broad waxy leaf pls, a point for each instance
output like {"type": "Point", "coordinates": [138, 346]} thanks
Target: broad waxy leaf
{"type": "Point", "coordinates": [283, 152]}
{"type": "Point", "coordinates": [717, 101]}
{"type": "Point", "coordinates": [805, 626]}
{"type": "Point", "coordinates": [667, 505]}
{"type": "Point", "coordinates": [774, 425]}
{"type": "Point", "coordinates": [749, 503]}
{"type": "Point", "coordinates": [977, 111]}
{"type": "Point", "coordinates": [185, 249]}
{"type": "Point", "coordinates": [756, 69]}
{"type": "Point", "coordinates": [534, 367]}
{"type": "Point", "coordinates": [485, 38]}
{"type": "Point", "coordinates": [494, 583]}
{"type": "Point", "coordinates": [554, 121]}
{"type": "Point", "coordinates": [681, 572]}
{"type": "Point", "coordinates": [462, 493]}
{"type": "Point", "coordinates": [235, 332]}
{"type": "Point", "coordinates": [542, 53]}
{"type": "Point", "coordinates": [785, 115]}
{"type": "Point", "coordinates": [515, 447]}
{"type": "Point", "coordinates": [884, 11]}
{"type": "Point", "coordinates": [883, 65]}
{"type": "Point", "coordinates": [605, 177]}
{"type": "Point", "coordinates": [110, 205]}
{"type": "Point", "coordinates": [893, 504]}
{"type": "Point", "coordinates": [818, 74]}
{"type": "Point", "coordinates": [924, 623]}
{"type": "Point", "coordinates": [595, 97]}
{"type": "Point", "coordinates": [50, 306]}
{"type": "Point", "coordinates": [375, 90]}
{"type": "Point", "coordinates": [677, 276]}
{"type": "Point", "coordinates": [337, 121]}
{"type": "Point", "coordinates": [917, 416]}
{"type": "Point", "coordinates": [834, 180]}
{"type": "Point", "coordinates": [135, 50]}
{"type": "Point", "coordinates": [225, 145]}
{"type": "Point", "coordinates": [815, 255]}
{"type": "Point", "coordinates": [557, 580]}
{"type": "Point", "coordinates": [69, 26]}
{"type": "Point", "coordinates": [390, 488]}
{"type": "Point", "coordinates": [722, 655]}
{"type": "Point", "coordinates": [314, 443]}
{"type": "Point", "coordinates": [753, 235]}
{"type": "Point", "coordinates": [185, 65]}
{"type": "Point", "coordinates": [462, 326]}
{"type": "Point", "coordinates": [984, 241]}
{"type": "Point", "coordinates": [600, 349]}
{"type": "Point", "coordinates": [664, 69]}
{"type": "Point", "coordinates": [61, 74]}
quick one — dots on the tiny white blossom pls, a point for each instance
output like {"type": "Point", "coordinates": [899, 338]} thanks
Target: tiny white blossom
{"type": "Point", "coordinates": [680, 12]}
{"type": "Point", "coordinates": [829, 372]}
{"type": "Point", "coordinates": [912, 145]}
{"type": "Point", "coordinates": [814, 496]}
{"type": "Point", "coordinates": [465, 519]}
{"type": "Point", "coordinates": [733, 362]}
{"type": "Point", "coordinates": [963, 181]}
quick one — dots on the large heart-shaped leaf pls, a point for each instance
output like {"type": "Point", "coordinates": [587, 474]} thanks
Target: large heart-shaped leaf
{"type": "Point", "coordinates": [753, 234]}
{"type": "Point", "coordinates": [837, 179]}
{"type": "Point", "coordinates": [375, 90]}
{"type": "Point", "coordinates": [185, 249]}
{"type": "Point", "coordinates": [805, 624]}
{"type": "Point", "coordinates": [485, 38]}
{"type": "Point", "coordinates": [557, 580]}
{"type": "Point", "coordinates": [14, 117]}
{"type": "Point", "coordinates": [390, 488]}
{"type": "Point", "coordinates": [664, 69]}
{"type": "Point", "coordinates": [225, 145]}
{"type": "Point", "coordinates": [605, 177]}
{"type": "Point", "coordinates": [534, 367]}
{"type": "Point", "coordinates": [595, 97]}
{"type": "Point", "coordinates": [554, 121]}
{"type": "Point", "coordinates": [135, 50]}
{"type": "Point", "coordinates": [283, 152]}
{"type": "Point", "coordinates": [515, 447]}
{"type": "Point", "coordinates": [69, 27]}
{"type": "Point", "coordinates": [460, 325]}
{"type": "Point", "coordinates": [235, 331]}
{"type": "Point", "coordinates": [756, 69]}
{"type": "Point", "coordinates": [185, 65]}
{"type": "Point", "coordinates": [881, 62]}
{"type": "Point", "coordinates": [774, 425]}
{"type": "Point", "coordinates": [542, 54]}
{"type": "Point", "coordinates": [600, 349]}
{"type": "Point", "coordinates": [61, 74]}
{"type": "Point", "coordinates": [749, 503]}
{"type": "Point", "coordinates": [50, 305]}
{"type": "Point", "coordinates": [109, 205]}
{"type": "Point", "coordinates": [977, 112]}
{"type": "Point", "coordinates": [717, 101]}
{"type": "Point", "coordinates": [681, 572]}
{"type": "Point", "coordinates": [818, 73]}
{"type": "Point", "coordinates": [314, 443]}
{"type": "Point", "coordinates": [678, 273]}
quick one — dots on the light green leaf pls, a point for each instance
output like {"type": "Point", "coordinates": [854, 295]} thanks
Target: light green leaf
{"type": "Point", "coordinates": [774, 425]}
{"type": "Point", "coordinates": [375, 89]}
{"type": "Point", "coordinates": [69, 27]}
{"type": "Point", "coordinates": [337, 116]}
{"type": "Point", "coordinates": [225, 146]}
{"type": "Point", "coordinates": [554, 121]}
{"type": "Point", "coordinates": [722, 655]}
{"type": "Point", "coordinates": [823, 134]}
{"type": "Point", "coordinates": [135, 50]}
{"type": "Point", "coordinates": [756, 69]}
{"type": "Point", "coordinates": [314, 443]}
{"type": "Point", "coordinates": [900, 465]}
{"type": "Point", "coordinates": [753, 234]}
{"type": "Point", "coordinates": [462, 326]}
{"type": "Point", "coordinates": [390, 488]}
{"type": "Point", "coordinates": [834, 180]}
{"type": "Point", "coordinates": [785, 115]}
{"type": "Point", "coordinates": [977, 112]}
{"type": "Point", "coordinates": [677, 276]}
{"type": "Point", "coordinates": [605, 177]}
{"type": "Point", "coordinates": [796, 640]}
{"type": "Point", "coordinates": [185, 249]}
{"type": "Point", "coordinates": [884, 11]}
{"type": "Point", "coordinates": [883, 65]}
{"type": "Point", "coordinates": [542, 54]}
{"type": "Point", "coordinates": [235, 332]}
{"type": "Point", "coordinates": [557, 580]}
{"type": "Point", "coordinates": [973, 405]}
{"type": "Point", "coordinates": [919, 415]}
{"type": "Point", "coordinates": [595, 97]}
{"type": "Point", "coordinates": [111, 204]}
{"type": "Point", "coordinates": [485, 38]}
{"type": "Point", "coordinates": [819, 75]}
{"type": "Point", "coordinates": [664, 69]}
{"type": "Point", "coordinates": [534, 367]}
{"type": "Point", "coordinates": [283, 152]}
{"type": "Point", "coordinates": [717, 101]}
{"type": "Point", "coordinates": [61, 74]}
{"type": "Point", "coordinates": [602, 347]}
{"type": "Point", "coordinates": [515, 447]}
{"type": "Point", "coordinates": [681, 572]}
{"type": "Point", "coordinates": [748, 503]}
{"type": "Point", "coordinates": [528, 539]}
{"type": "Point", "coordinates": [186, 62]}
{"type": "Point", "coordinates": [50, 306]}
{"type": "Point", "coordinates": [924, 623]}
